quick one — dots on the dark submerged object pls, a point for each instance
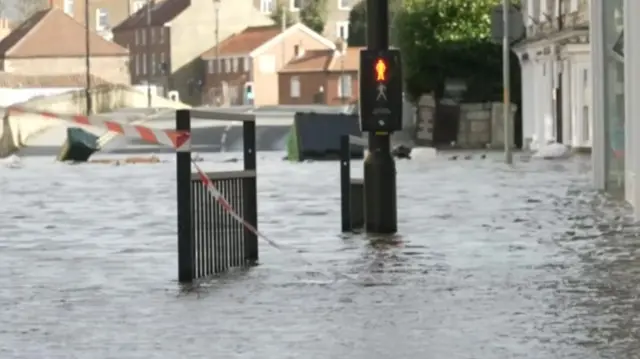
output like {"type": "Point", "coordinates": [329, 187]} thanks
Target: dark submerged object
{"type": "Point", "coordinates": [402, 152]}
{"type": "Point", "coordinates": [80, 145]}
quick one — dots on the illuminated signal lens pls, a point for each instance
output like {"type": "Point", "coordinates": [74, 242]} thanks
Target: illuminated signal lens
{"type": "Point", "coordinates": [381, 70]}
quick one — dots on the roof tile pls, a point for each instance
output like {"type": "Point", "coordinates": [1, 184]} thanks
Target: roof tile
{"type": "Point", "coordinates": [244, 42]}
{"type": "Point", "coordinates": [52, 33]}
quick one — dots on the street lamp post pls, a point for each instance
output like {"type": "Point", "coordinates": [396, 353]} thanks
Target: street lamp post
{"type": "Point", "coordinates": [506, 82]}
{"type": "Point", "coordinates": [148, 51]}
{"type": "Point", "coordinates": [87, 45]}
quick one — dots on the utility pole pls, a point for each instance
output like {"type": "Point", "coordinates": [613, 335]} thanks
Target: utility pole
{"type": "Point", "coordinates": [217, 68]}
{"type": "Point", "coordinates": [558, 89]}
{"type": "Point", "coordinates": [87, 59]}
{"type": "Point", "coordinates": [381, 214]}
{"type": "Point", "coordinates": [150, 70]}
{"type": "Point", "coordinates": [506, 83]}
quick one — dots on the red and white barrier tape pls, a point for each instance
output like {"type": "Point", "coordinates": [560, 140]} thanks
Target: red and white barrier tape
{"type": "Point", "coordinates": [178, 140]}
{"type": "Point", "coordinates": [175, 139]}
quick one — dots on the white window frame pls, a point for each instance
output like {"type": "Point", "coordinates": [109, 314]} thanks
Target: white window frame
{"type": "Point", "coordinates": [234, 64]}
{"type": "Point", "coordinates": [69, 7]}
{"type": "Point", "coordinates": [542, 11]}
{"type": "Point", "coordinates": [267, 64]}
{"type": "Point", "coordinates": [247, 61]}
{"type": "Point", "coordinates": [161, 35]}
{"type": "Point", "coordinates": [210, 66]}
{"type": "Point", "coordinates": [345, 82]}
{"type": "Point", "coordinates": [152, 35]}
{"type": "Point", "coordinates": [137, 5]}
{"type": "Point", "coordinates": [293, 7]}
{"type": "Point", "coordinates": [294, 87]}
{"type": "Point", "coordinates": [154, 64]}
{"type": "Point", "coordinates": [342, 26]}
{"type": "Point", "coordinates": [266, 6]}
{"type": "Point", "coordinates": [341, 6]}
{"type": "Point", "coordinates": [100, 13]}
{"type": "Point", "coordinates": [227, 66]}
{"type": "Point", "coordinates": [144, 64]}
{"type": "Point", "coordinates": [574, 5]}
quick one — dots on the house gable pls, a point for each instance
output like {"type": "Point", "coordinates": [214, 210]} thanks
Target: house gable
{"type": "Point", "coordinates": [292, 29]}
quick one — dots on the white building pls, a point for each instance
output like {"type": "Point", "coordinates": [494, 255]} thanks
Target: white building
{"type": "Point", "coordinates": [616, 74]}
{"type": "Point", "coordinates": [555, 58]}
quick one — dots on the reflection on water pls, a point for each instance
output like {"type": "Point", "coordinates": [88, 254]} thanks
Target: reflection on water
{"type": "Point", "coordinates": [491, 262]}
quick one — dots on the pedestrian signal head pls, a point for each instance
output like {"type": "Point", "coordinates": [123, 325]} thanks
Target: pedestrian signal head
{"type": "Point", "coordinates": [381, 70]}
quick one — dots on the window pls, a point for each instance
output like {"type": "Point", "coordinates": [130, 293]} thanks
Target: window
{"type": "Point", "coordinates": [235, 64]}
{"type": "Point", "coordinates": [342, 30]}
{"type": "Point", "coordinates": [154, 65]}
{"type": "Point", "coordinates": [543, 10]}
{"type": "Point", "coordinates": [137, 61]}
{"type": "Point", "coordinates": [144, 64]}
{"type": "Point", "coordinates": [247, 62]}
{"type": "Point", "coordinates": [138, 4]}
{"type": "Point", "coordinates": [344, 4]}
{"type": "Point", "coordinates": [68, 7]}
{"type": "Point", "coordinates": [242, 65]}
{"type": "Point", "coordinates": [210, 65]}
{"type": "Point", "coordinates": [143, 36]}
{"type": "Point", "coordinates": [227, 65]}
{"type": "Point", "coordinates": [152, 35]}
{"type": "Point", "coordinates": [295, 87]}
{"type": "Point", "coordinates": [573, 6]}
{"type": "Point", "coordinates": [161, 40]}
{"type": "Point", "coordinates": [102, 19]}
{"type": "Point", "coordinates": [344, 86]}
{"type": "Point", "coordinates": [163, 63]}
{"type": "Point", "coordinates": [294, 5]}
{"type": "Point", "coordinates": [267, 64]}
{"type": "Point", "coordinates": [266, 6]}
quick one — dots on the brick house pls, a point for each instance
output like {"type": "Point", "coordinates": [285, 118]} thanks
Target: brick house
{"type": "Point", "coordinates": [103, 14]}
{"type": "Point", "coordinates": [230, 71]}
{"type": "Point", "coordinates": [321, 77]}
{"type": "Point", "coordinates": [337, 24]}
{"type": "Point", "coordinates": [167, 52]}
{"type": "Point", "coordinates": [34, 48]}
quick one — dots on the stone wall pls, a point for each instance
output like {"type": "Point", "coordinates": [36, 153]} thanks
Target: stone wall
{"type": "Point", "coordinates": [481, 125]}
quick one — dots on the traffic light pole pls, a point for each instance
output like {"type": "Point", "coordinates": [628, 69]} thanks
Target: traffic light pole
{"type": "Point", "coordinates": [379, 167]}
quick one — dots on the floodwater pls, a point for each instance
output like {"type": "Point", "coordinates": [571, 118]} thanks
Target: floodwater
{"type": "Point", "coordinates": [491, 262]}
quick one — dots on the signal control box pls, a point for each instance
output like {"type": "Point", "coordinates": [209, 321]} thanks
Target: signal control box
{"type": "Point", "coordinates": [380, 90]}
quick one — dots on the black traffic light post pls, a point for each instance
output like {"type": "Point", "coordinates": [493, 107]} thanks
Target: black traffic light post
{"type": "Point", "coordinates": [380, 115]}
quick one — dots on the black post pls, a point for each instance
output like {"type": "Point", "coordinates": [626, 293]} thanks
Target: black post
{"type": "Point", "coordinates": [345, 179]}
{"type": "Point", "coordinates": [559, 105]}
{"type": "Point", "coordinates": [379, 167]}
{"type": "Point", "coordinates": [87, 59]}
{"type": "Point", "coordinates": [186, 272]}
{"type": "Point", "coordinates": [250, 192]}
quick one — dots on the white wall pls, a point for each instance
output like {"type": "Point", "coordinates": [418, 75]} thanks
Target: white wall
{"type": "Point", "coordinates": [632, 104]}
{"type": "Point", "coordinates": [10, 96]}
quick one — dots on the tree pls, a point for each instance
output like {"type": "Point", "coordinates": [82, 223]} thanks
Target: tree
{"type": "Point", "coordinates": [26, 8]}
{"type": "Point", "coordinates": [358, 23]}
{"type": "Point", "coordinates": [281, 13]}
{"type": "Point", "coordinates": [313, 13]}
{"type": "Point", "coordinates": [442, 39]}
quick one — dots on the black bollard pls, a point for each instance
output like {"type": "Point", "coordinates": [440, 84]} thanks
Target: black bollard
{"type": "Point", "coordinates": [379, 167]}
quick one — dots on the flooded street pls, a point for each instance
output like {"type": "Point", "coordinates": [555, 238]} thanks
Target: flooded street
{"type": "Point", "coordinates": [491, 263]}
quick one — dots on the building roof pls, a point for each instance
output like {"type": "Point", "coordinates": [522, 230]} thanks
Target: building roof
{"type": "Point", "coordinates": [52, 33]}
{"type": "Point", "coordinates": [253, 41]}
{"type": "Point", "coordinates": [325, 60]}
{"type": "Point", "coordinates": [244, 42]}
{"type": "Point", "coordinates": [10, 80]}
{"type": "Point", "coordinates": [160, 14]}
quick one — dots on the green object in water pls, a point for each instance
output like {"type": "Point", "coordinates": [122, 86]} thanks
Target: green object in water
{"type": "Point", "coordinates": [79, 146]}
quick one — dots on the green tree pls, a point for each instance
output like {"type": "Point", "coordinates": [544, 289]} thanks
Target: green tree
{"type": "Point", "coordinates": [313, 13]}
{"type": "Point", "coordinates": [358, 23]}
{"type": "Point", "coordinates": [442, 39]}
{"type": "Point", "coordinates": [281, 13]}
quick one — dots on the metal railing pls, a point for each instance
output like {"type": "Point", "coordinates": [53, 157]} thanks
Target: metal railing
{"type": "Point", "coordinates": [210, 240]}
{"type": "Point", "coordinates": [352, 204]}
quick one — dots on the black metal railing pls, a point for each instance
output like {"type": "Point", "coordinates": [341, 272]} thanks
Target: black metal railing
{"type": "Point", "coordinates": [352, 202]}
{"type": "Point", "coordinates": [210, 240]}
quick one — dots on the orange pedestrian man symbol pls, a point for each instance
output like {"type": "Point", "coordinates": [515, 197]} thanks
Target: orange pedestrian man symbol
{"type": "Point", "coordinates": [381, 70]}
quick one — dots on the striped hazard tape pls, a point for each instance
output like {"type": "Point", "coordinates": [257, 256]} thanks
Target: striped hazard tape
{"type": "Point", "coordinates": [179, 140]}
